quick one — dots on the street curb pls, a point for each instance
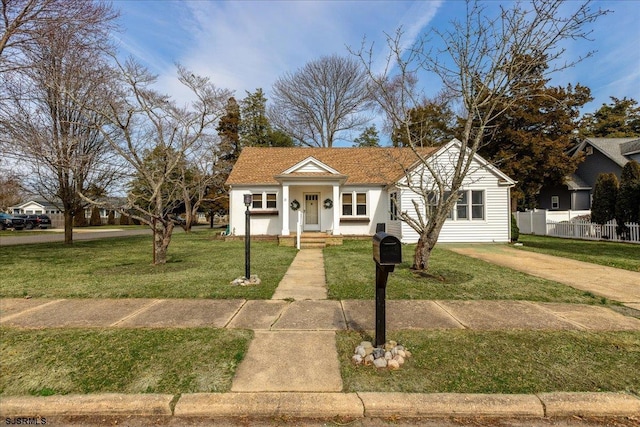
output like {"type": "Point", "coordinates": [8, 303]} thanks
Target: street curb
{"type": "Point", "coordinates": [451, 404]}
{"type": "Point", "coordinates": [561, 404]}
{"type": "Point", "coordinates": [86, 404]}
{"type": "Point", "coordinates": [327, 405]}
{"type": "Point", "coordinates": [297, 405]}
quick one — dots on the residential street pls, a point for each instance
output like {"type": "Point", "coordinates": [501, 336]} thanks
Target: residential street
{"type": "Point", "coordinates": [57, 235]}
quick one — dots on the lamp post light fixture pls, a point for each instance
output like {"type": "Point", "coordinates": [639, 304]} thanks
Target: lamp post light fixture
{"type": "Point", "coordinates": [248, 198]}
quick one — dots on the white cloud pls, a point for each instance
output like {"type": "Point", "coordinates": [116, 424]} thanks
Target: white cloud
{"type": "Point", "coordinates": [243, 45]}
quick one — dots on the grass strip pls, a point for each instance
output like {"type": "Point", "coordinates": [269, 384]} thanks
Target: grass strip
{"type": "Point", "coordinates": [56, 361]}
{"type": "Point", "coordinates": [350, 274]}
{"type": "Point", "coordinates": [198, 267]}
{"type": "Point", "coordinates": [610, 254]}
{"type": "Point", "coordinates": [500, 362]}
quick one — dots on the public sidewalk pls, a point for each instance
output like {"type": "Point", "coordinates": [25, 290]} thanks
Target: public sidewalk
{"type": "Point", "coordinates": [270, 383]}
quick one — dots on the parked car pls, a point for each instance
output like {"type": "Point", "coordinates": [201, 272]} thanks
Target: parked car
{"type": "Point", "coordinates": [35, 221]}
{"type": "Point", "coordinates": [10, 221]}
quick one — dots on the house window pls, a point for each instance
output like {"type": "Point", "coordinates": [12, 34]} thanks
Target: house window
{"type": "Point", "coordinates": [271, 201]}
{"type": "Point", "coordinates": [393, 206]}
{"type": "Point", "coordinates": [462, 206]}
{"type": "Point", "coordinates": [348, 200]}
{"type": "Point", "coordinates": [347, 204]}
{"type": "Point", "coordinates": [470, 205]}
{"type": "Point", "coordinates": [264, 201]}
{"type": "Point", "coordinates": [555, 202]}
{"type": "Point", "coordinates": [477, 205]}
{"type": "Point", "coordinates": [257, 201]}
{"type": "Point", "coordinates": [361, 203]}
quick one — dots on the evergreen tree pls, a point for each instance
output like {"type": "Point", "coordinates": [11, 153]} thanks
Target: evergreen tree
{"type": "Point", "coordinates": [229, 133]}
{"type": "Point", "coordinates": [281, 139]}
{"type": "Point", "coordinates": [255, 127]}
{"type": "Point", "coordinates": [620, 119]}
{"type": "Point", "coordinates": [628, 203]}
{"type": "Point", "coordinates": [429, 125]}
{"type": "Point", "coordinates": [95, 219]}
{"type": "Point", "coordinates": [368, 138]}
{"type": "Point", "coordinates": [529, 142]}
{"type": "Point", "coordinates": [605, 194]}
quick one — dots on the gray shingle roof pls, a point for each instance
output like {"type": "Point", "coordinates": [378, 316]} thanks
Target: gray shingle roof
{"type": "Point", "coordinates": [630, 147]}
{"type": "Point", "coordinates": [574, 182]}
{"type": "Point", "coordinates": [611, 147]}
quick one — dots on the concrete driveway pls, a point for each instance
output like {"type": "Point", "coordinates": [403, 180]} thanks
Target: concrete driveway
{"type": "Point", "coordinates": [613, 283]}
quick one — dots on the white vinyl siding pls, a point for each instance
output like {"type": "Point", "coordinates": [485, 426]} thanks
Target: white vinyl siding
{"type": "Point", "coordinates": [482, 214]}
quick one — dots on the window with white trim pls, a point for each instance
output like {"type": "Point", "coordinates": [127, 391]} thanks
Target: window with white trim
{"type": "Point", "coordinates": [462, 206]}
{"type": "Point", "coordinates": [393, 206]}
{"type": "Point", "coordinates": [555, 202]}
{"type": "Point", "coordinates": [264, 200]}
{"type": "Point", "coordinates": [469, 206]}
{"type": "Point", "coordinates": [477, 204]}
{"type": "Point", "coordinates": [351, 199]}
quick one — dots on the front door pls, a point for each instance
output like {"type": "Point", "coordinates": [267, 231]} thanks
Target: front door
{"type": "Point", "coordinates": [311, 212]}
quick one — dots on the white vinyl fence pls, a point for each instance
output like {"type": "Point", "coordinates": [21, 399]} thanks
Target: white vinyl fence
{"type": "Point", "coordinates": [592, 231]}
{"type": "Point", "coordinates": [548, 223]}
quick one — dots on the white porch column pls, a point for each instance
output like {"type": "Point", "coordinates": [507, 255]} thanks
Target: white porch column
{"type": "Point", "coordinates": [336, 209]}
{"type": "Point", "coordinates": [285, 209]}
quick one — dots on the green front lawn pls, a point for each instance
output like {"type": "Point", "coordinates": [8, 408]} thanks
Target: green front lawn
{"type": "Point", "coordinates": [350, 273]}
{"type": "Point", "coordinates": [611, 254]}
{"type": "Point", "coordinates": [500, 362]}
{"type": "Point", "coordinates": [198, 267]}
{"type": "Point", "coordinates": [58, 361]}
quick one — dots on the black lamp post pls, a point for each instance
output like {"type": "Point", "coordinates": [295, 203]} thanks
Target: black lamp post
{"type": "Point", "coordinates": [247, 244]}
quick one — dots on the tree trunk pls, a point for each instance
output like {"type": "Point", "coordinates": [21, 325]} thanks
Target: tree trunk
{"type": "Point", "coordinates": [425, 245]}
{"type": "Point", "coordinates": [68, 227]}
{"type": "Point", "coordinates": [162, 238]}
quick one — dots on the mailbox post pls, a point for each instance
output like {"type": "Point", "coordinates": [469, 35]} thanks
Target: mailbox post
{"type": "Point", "coordinates": [247, 236]}
{"type": "Point", "coordinates": [387, 253]}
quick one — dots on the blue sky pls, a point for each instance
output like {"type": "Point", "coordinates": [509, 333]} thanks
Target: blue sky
{"type": "Point", "coordinates": [244, 45]}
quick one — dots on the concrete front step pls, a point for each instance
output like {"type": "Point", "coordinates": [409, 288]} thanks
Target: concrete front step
{"type": "Point", "coordinates": [312, 245]}
{"type": "Point", "coordinates": [311, 240]}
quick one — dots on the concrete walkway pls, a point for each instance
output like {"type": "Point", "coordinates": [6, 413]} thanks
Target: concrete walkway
{"type": "Point", "coordinates": [284, 358]}
{"type": "Point", "coordinates": [613, 283]}
{"type": "Point", "coordinates": [309, 317]}
{"type": "Point", "coordinates": [304, 280]}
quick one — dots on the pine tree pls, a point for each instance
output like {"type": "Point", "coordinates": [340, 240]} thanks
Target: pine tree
{"type": "Point", "coordinates": [605, 194]}
{"type": "Point", "coordinates": [254, 128]}
{"type": "Point", "coordinates": [529, 142]}
{"type": "Point", "coordinates": [368, 138]}
{"type": "Point", "coordinates": [619, 119]}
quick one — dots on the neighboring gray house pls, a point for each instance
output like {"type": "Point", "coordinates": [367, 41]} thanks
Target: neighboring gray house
{"type": "Point", "coordinates": [601, 155]}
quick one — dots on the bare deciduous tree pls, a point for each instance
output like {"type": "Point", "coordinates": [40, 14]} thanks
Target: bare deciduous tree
{"type": "Point", "coordinates": [47, 103]}
{"type": "Point", "coordinates": [481, 61]}
{"type": "Point", "coordinates": [22, 21]}
{"type": "Point", "coordinates": [321, 100]}
{"type": "Point", "coordinates": [156, 138]}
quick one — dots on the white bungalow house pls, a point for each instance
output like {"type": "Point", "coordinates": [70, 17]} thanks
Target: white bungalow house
{"type": "Point", "coordinates": [349, 192]}
{"type": "Point", "coordinates": [35, 207]}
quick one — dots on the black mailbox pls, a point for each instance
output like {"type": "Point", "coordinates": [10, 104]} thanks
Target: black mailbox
{"type": "Point", "coordinates": [387, 249]}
